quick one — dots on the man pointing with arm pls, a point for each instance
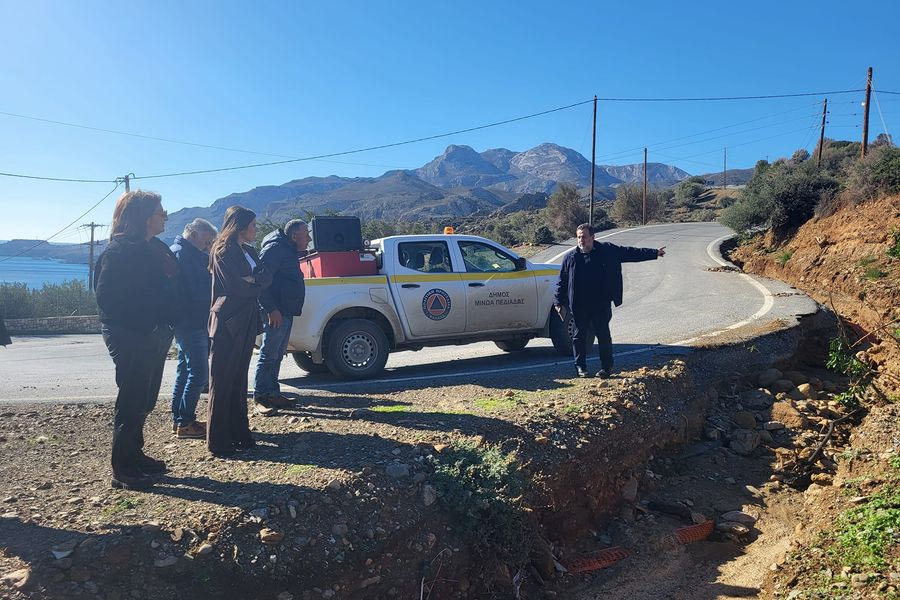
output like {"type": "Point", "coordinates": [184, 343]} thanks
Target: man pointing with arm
{"type": "Point", "coordinates": [591, 279]}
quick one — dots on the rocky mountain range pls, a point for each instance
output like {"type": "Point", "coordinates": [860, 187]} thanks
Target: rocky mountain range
{"type": "Point", "coordinates": [459, 182]}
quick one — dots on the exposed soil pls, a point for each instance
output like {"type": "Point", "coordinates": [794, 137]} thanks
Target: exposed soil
{"type": "Point", "coordinates": [496, 487]}
{"type": "Point", "coordinates": [842, 262]}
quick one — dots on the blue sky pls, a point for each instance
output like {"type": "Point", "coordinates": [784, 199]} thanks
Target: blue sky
{"type": "Point", "coordinates": [307, 78]}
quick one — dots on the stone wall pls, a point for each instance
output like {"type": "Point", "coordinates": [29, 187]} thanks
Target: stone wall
{"type": "Point", "coordinates": [54, 325]}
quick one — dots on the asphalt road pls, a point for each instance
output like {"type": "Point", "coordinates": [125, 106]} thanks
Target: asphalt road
{"type": "Point", "coordinates": [669, 304]}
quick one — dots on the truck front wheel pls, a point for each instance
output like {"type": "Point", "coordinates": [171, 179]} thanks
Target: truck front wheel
{"type": "Point", "coordinates": [356, 349]}
{"type": "Point", "coordinates": [561, 334]}
{"type": "Point", "coordinates": [305, 362]}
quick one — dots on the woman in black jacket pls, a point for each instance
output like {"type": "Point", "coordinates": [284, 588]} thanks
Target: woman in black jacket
{"type": "Point", "coordinates": [234, 323]}
{"type": "Point", "coordinates": [135, 283]}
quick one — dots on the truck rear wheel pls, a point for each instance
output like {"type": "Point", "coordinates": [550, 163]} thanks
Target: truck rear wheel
{"type": "Point", "coordinates": [305, 362]}
{"type": "Point", "coordinates": [516, 345]}
{"type": "Point", "coordinates": [356, 349]}
{"type": "Point", "coordinates": [561, 334]}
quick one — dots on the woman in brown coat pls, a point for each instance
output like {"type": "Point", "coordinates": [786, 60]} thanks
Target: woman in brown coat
{"type": "Point", "coordinates": [234, 322]}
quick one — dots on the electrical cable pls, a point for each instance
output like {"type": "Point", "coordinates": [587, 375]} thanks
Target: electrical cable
{"type": "Point", "coordinates": [684, 137]}
{"type": "Point", "coordinates": [78, 218]}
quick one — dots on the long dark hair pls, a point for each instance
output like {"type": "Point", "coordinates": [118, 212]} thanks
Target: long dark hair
{"type": "Point", "coordinates": [133, 210]}
{"type": "Point", "coordinates": [237, 219]}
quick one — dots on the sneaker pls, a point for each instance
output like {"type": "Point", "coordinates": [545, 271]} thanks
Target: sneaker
{"type": "Point", "coordinates": [194, 430]}
{"type": "Point", "coordinates": [130, 481]}
{"type": "Point", "coordinates": [582, 372]}
{"type": "Point", "coordinates": [151, 466]}
{"type": "Point", "coordinates": [603, 374]}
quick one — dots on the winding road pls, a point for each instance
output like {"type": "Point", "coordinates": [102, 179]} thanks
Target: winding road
{"type": "Point", "coordinates": [671, 303]}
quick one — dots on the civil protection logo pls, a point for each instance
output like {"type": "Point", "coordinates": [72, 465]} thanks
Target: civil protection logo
{"type": "Point", "coordinates": [436, 304]}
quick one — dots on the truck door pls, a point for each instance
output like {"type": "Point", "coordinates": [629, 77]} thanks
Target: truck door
{"type": "Point", "coordinates": [431, 298]}
{"type": "Point", "coordinates": [498, 296]}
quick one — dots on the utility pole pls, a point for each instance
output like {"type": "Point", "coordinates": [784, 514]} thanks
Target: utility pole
{"type": "Point", "coordinates": [126, 180]}
{"type": "Point", "coordinates": [822, 134]}
{"type": "Point", "coordinates": [865, 139]}
{"type": "Point", "coordinates": [725, 169]}
{"type": "Point", "coordinates": [92, 226]}
{"type": "Point", "coordinates": [593, 163]}
{"type": "Point", "coordinates": [644, 202]}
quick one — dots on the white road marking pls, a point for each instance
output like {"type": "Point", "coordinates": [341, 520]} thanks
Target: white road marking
{"type": "Point", "coordinates": [768, 299]}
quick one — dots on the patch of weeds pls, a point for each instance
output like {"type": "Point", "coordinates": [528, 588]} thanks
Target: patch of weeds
{"type": "Point", "coordinates": [894, 249]}
{"type": "Point", "coordinates": [571, 409]}
{"type": "Point", "coordinates": [866, 261]}
{"type": "Point", "coordinates": [783, 257]}
{"type": "Point", "coordinates": [44, 439]}
{"type": "Point", "coordinates": [841, 360]}
{"type": "Point", "coordinates": [873, 273]}
{"type": "Point", "coordinates": [481, 485]}
{"type": "Point", "coordinates": [863, 535]}
{"type": "Point", "coordinates": [894, 461]}
{"type": "Point", "coordinates": [492, 404]}
{"type": "Point", "coordinates": [296, 470]}
{"type": "Point", "coordinates": [390, 408]}
{"type": "Point", "coordinates": [122, 505]}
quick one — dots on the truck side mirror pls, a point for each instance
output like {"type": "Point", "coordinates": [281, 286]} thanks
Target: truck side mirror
{"type": "Point", "coordinates": [520, 264]}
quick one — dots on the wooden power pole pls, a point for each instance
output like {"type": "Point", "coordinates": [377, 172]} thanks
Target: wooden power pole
{"type": "Point", "coordinates": [822, 134]}
{"type": "Point", "coordinates": [865, 138]}
{"type": "Point", "coordinates": [593, 162]}
{"type": "Point", "coordinates": [92, 227]}
{"type": "Point", "coordinates": [725, 169]}
{"type": "Point", "coordinates": [644, 202]}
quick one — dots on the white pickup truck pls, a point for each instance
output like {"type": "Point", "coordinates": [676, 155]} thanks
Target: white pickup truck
{"type": "Point", "coordinates": [430, 290]}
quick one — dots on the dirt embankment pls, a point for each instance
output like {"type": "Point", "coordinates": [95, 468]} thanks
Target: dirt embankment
{"type": "Point", "coordinates": [845, 543]}
{"type": "Point", "coordinates": [846, 262]}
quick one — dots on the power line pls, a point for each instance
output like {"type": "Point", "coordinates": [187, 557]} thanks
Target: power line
{"type": "Point", "coordinates": [719, 98]}
{"type": "Point", "coordinates": [370, 148]}
{"type": "Point", "coordinates": [684, 137]}
{"type": "Point", "coordinates": [78, 218]}
{"type": "Point", "coordinates": [19, 175]}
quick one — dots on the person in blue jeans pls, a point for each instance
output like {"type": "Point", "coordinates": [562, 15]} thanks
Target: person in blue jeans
{"type": "Point", "coordinates": [194, 295]}
{"type": "Point", "coordinates": [590, 282]}
{"type": "Point", "coordinates": [280, 303]}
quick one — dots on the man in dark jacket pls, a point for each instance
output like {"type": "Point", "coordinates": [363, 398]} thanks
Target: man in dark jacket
{"type": "Point", "coordinates": [191, 337]}
{"type": "Point", "coordinates": [590, 279]}
{"type": "Point", "coordinates": [280, 303]}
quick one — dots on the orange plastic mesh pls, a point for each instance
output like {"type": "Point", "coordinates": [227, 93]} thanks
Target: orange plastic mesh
{"type": "Point", "coordinates": [694, 533]}
{"type": "Point", "coordinates": [601, 560]}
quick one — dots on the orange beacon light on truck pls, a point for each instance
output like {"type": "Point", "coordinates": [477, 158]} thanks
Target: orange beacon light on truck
{"type": "Point", "coordinates": [448, 231]}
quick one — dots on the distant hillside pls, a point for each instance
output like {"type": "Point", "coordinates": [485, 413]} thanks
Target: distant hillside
{"type": "Point", "coordinates": [71, 253]}
{"type": "Point", "coordinates": [735, 177]}
{"type": "Point", "coordinates": [459, 182]}
{"type": "Point", "coordinates": [658, 174]}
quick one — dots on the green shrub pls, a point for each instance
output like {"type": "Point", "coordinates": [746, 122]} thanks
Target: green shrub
{"type": "Point", "coordinates": [542, 235]}
{"type": "Point", "coordinates": [873, 273]}
{"type": "Point", "coordinates": [782, 196]}
{"type": "Point", "coordinates": [784, 257]}
{"type": "Point", "coordinates": [629, 204]}
{"type": "Point", "coordinates": [481, 487]}
{"type": "Point", "coordinates": [894, 249]}
{"type": "Point", "coordinates": [878, 174]}
{"type": "Point", "coordinates": [53, 300]}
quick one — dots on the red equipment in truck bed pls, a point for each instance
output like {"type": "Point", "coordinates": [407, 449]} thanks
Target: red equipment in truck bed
{"type": "Point", "coordinates": [338, 264]}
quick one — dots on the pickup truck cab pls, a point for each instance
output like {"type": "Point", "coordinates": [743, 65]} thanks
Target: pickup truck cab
{"type": "Point", "coordinates": [430, 290]}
